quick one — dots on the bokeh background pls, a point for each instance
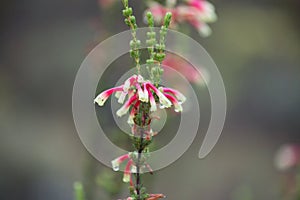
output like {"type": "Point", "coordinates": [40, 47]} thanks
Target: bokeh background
{"type": "Point", "coordinates": [256, 45]}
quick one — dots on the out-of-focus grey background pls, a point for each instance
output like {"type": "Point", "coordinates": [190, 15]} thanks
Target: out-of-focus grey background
{"type": "Point", "coordinates": [256, 45]}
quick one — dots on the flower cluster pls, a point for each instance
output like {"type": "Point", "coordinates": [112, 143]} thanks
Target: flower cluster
{"type": "Point", "coordinates": [138, 90]}
{"type": "Point", "coordinates": [140, 98]}
{"type": "Point", "coordinates": [196, 12]}
{"type": "Point", "coordinates": [130, 166]}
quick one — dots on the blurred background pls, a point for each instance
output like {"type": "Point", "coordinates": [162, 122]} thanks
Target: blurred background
{"type": "Point", "coordinates": [255, 44]}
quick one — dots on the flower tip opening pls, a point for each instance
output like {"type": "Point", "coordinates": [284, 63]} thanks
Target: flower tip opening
{"type": "Point", "coordinates": [99, 101]}
{"type": "Point", "coordinates": [115, 165]}
{"type": "Point", "coordinates": [178, 108]}
{"type": "Point", "coordinates": [153, 108]}
{"type": "Point", "coordinates": [126, 177]}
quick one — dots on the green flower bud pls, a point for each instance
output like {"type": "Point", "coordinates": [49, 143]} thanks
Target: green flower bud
{"type": "Point", "coordinates": [127, 22]}
{"type": "Point", "coordinates": [138, 43]}
{"type": "Point", "coordinates": [150, 19]}
{"type": "Point", "coordinates": [132, 44]}
{"type": "Point", "coordinates": [132, 53]}
{"type": "Point", "coordinates": [167, 19]}
{"type": "Point", "coordinates": [127, 12]}
{"type": "Point", "coordinates": [132, 19]}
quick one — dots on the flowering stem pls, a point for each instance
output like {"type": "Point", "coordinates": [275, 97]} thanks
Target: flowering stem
{"type": "Point", "coordinates": [156, 49]}
{"type": "Point", "coordinates": [138, 175]}
{"type": "Point", "coordinates": [134, 43]}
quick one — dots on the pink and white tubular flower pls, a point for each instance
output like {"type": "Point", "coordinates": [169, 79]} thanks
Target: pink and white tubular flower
{"type": "Point", "coordinates": [116, 162]}
{"type": "Point", "coordinates": [141, 93]}
{"type": "Point", "coordinates": [132, 113]}
{"type": "Point", "coordinates": [178, 107]}
{"type": "Point", "coordinates": [129, 82]}
{"type": "Point", "coordinates": [122, 97]}
{"type": "Point", "coordinates": [127, 171]}
{"type": "Point", "coordinates": [124, 109]}
{"type": "Point", "coordinates": [146, 93]}
{"type": "Point", "coordinates": [164, 101]}
{"type": "Point", "coordinates": [129, 168]}
{"type": "Point", "coordinates": [103, 96]}
{"type": "Point", "coordinates": [153, 107]}
{"type": "Point", "coordinates": [180, 97]}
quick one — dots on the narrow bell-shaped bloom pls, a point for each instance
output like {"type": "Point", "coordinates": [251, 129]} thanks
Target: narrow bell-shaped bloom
{"type": "Point", "coordinates": [152, 102]}
{"type": "Point", "coordinates": [141, 93]}
{"type": "Point", "coordinates": [162, 98]}
{"type": "Point", "coordinates": [118, 94]}
{"type": "Point", "coordinates": [132, 113]}
{"type": "Point", "coordinates": [133, 169]}
{"type": "Point", "coordinates": [178, 107]}
{"type": "Point", "coordinates": [127, 171]}
{"type": "Point", "coordinates": [124, 109]}
{"type": "Point", "coordinates": [181, 98]}
{"type": "Point", "coordinates": [103, 96]}
{"type": "Point", "coordinates": [129, 82]}
{"type": "Point", "coordinates": [146, 93]}
{"type": "Point", "coordinates": [130, 120]}
{"type": "Point", "coordinates": [122, 97]}
{"type": "Point", "coordinates": [116, 162]}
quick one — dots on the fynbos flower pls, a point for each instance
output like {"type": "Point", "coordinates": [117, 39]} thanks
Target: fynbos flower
{"type": "Point", "coordinates": [139, 97]}
{"type": "Point", "coordinates": [196, 12]}
{"type": "Point", "coordinates": [137, 91]}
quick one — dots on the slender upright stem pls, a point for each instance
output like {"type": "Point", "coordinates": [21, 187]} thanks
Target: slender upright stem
{"type": "Point", "coordinates": [138, 167]}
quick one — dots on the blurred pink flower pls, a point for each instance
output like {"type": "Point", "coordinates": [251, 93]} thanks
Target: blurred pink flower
{"type": "Point", "coordinates": [196, 12]}
{"type": "Point", "coordinates": [288, 156]}
{"type": "Point", "coordinates": [106, 3]}
{"type": "Point", "coordinates": [185, 68]}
